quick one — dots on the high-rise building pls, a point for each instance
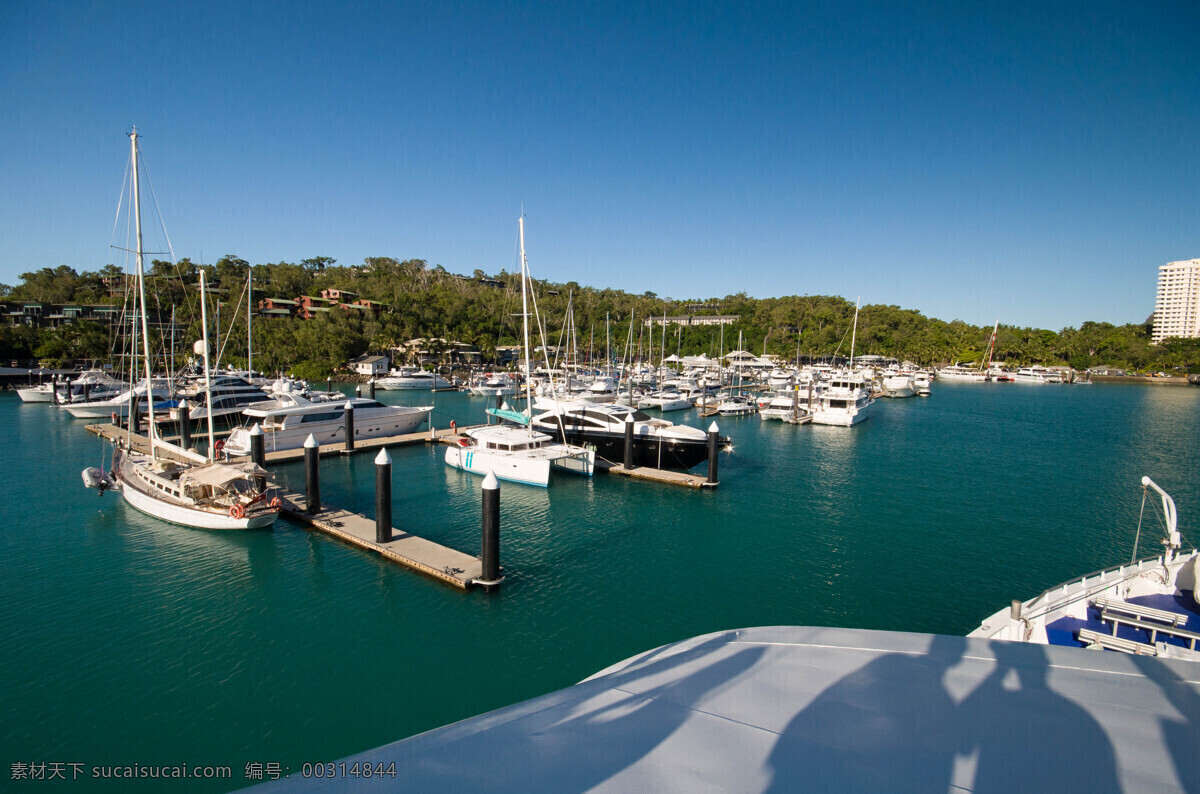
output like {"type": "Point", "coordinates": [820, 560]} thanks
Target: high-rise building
{"type": "Point", "coordinates": [1177, 306]}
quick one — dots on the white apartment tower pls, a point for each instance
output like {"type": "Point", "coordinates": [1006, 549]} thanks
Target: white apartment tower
{"type": "Point", "coordinates": [1177, 306]}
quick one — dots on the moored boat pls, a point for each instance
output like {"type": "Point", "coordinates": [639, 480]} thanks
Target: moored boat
{"type": "Point", "coordinates": [1146, 607]}
{"type": "Point", "coordinates": [411, 378]}
{"type": "Point", "coordinates": [288, 418]}
{"type": "Point", "coordinates": [41, 393]}
{"type": "Point", "coordinates": [514, 450]}
{"type": "Point", "coordinates": [166, 481]}
{"type": "Point", "coordinates": [657, 443]}
{"type": "Point", "coordinates": [958, 374]}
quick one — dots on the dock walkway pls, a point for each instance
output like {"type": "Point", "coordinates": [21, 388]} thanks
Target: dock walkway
{"type": "Point", "coordinates": [142, 443]}
{"type": "Point", "coordinates": [452, 567]}
{"type": "Point", "coordinates": [444, 564]}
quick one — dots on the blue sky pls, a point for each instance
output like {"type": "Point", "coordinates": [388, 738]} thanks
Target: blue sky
{"type": "Point", "coordinates": [1028, 162]}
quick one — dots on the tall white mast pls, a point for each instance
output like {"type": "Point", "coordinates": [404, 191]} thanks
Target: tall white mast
{"type": "Point", "coordinates": [137, 224]}
{"type": "Point", "coordinates": [854, 333]}
{"type": "Point", "coordinates": [662, 356]}
{"type": "Point", "coordinates": [607, 347]}
{"type": "Point", "coordinates": [525, 322]}
{"type": "Point", "coordinates": [207, 371]}
{"type": "Point", "coordinates": [249, 311]}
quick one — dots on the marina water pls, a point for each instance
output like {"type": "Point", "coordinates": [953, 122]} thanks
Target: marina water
{"type": "Point", "coordinates": [129, 641]}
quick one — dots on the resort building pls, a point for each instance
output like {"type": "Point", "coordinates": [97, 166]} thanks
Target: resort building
{"type": "Point", "coordinates": [1177, 306]}
{"type": "Point", "coordinates": [694, 319]}
{"type": "Point", "coordinates": [371, 365]}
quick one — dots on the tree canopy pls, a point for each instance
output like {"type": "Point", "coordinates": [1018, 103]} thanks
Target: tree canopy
{"type": "Point", "coordinates": [417, 300]}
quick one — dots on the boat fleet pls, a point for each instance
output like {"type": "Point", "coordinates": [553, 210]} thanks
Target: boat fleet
{"type": "Point", "coordinates": [1146, 607]}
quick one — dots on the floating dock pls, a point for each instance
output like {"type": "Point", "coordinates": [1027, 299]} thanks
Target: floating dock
{"type": "Point", "coordinates": [142, 443]}
{"type": "Point", "coordinates": [432, 559]}
{"type": "Point", "coordinates": [363, 445]}
{"type": "Point", "coordinates": [661, 476]}
{"type": "Point", "coordinates": [424, 556]}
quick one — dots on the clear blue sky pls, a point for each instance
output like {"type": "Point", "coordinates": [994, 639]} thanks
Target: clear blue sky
{"type": "Point", "coordinates": [1032, 162]}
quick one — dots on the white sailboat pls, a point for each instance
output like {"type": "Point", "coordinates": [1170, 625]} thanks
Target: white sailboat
{"type": "Point", "coordinates": [518, 453]}
{"type": "Point", "coordinates": [171, 483]}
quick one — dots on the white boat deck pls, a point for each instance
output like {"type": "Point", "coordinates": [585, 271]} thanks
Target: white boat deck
{"type": "Point", "coordinates": [814, 709]}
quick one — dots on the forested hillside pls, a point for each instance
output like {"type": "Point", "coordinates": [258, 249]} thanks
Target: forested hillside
{"type": "Point", "coordinates": [482, 309]}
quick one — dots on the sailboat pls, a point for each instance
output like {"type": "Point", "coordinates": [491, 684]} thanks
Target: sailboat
{"type": "Point", "coordinates": [175, 484]}
{"type": "Point", "coordinates": [516, 452]}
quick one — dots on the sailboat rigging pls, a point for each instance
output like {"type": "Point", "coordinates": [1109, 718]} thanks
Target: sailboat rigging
{"type": "Point", "coordinates": [164, 480]}
{"type": "Point", "coordinates": [513, 450]}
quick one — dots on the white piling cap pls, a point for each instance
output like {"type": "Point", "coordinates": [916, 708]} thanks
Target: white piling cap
{"type": "Point", "coordinates": [183, 404]}
{"type": "Point", "coordinates": [311, 442]}
{"type": "Point", "coordinates": [490, 482]}
{"type": "Point", "coordinates": [713, 428]}
{"type": "Point", "coordinates": [629, 416]}
{"type": "Point", "coordinates": [256, 430]}
{"type": "Point", "coordinates": [383, 459]}
{"type": "Point", "coordinates": [349, 405]}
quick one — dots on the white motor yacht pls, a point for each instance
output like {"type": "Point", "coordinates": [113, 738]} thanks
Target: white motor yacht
{"type": "Point", "coordinates": [736, 405]}
{"type": "Point", "coordinates": [407, 378]}
{"type": "Point", "coordinates": [288, 418]}
{"type": "Point", "coordinates": [227, 394]}
{"type": "Point", "coordinates": [786, 407]}
{"type": "Point", "coordinates": [898, 384]}
{"type": "Point", "coordinates": [91, 385]}
{"type": "Point", "coordinates": [962, 374]}
{"type": "Point", "coordinates": [495, 384]}
{"type": "Point", "coordinates": [844, 401]}
{"type": "Point", "coordinates": [41, 393]}
{"type": "Point", "coordinates": [119, 405]}
{"type": "Point", "coordinates": [665, 401]}
{"type": "Point", "coordinates": [601, 390]}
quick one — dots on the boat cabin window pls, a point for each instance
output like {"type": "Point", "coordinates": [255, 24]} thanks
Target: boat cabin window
{"type": "Point", "coordinates": [327, 416]}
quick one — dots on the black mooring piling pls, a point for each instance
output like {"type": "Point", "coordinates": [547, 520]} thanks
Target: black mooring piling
{"type": "Point", "coordinates": [629, 441]}
{"type": "Point", "coordinates": [312, 482]}
{"type": "Point", "coordinates": [490, 556]}
{"type": "Point", "coordinates": [383, 497]}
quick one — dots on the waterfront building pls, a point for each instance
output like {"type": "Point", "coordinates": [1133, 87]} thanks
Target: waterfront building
{"type": "Point", "coordinates": [693, 319]}
{"type": "Point", "coordinates": [1177, 304]}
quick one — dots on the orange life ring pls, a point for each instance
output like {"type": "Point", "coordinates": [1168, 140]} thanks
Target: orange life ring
{"type": "Point", "coordinates": [462, 442]}
{"type": "Point", "coordinates": [237, 511]}
{"type": "Point", "coordinates": [275, 503]}
{"type": "Point", "coordinates": [219, 445]}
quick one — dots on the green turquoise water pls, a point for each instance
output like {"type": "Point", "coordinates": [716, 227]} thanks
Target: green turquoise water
{"type": "Point", "coordinates": [132, 641]}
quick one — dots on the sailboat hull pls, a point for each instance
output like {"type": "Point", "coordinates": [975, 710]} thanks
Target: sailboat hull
{"type": "Point", "coordinates": [188, 517]}
{"type": "Point", "coordinates": [138, 497]}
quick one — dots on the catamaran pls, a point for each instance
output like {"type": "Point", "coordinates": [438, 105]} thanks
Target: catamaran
{"type": "Point", "coordinates": [515, 451]}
